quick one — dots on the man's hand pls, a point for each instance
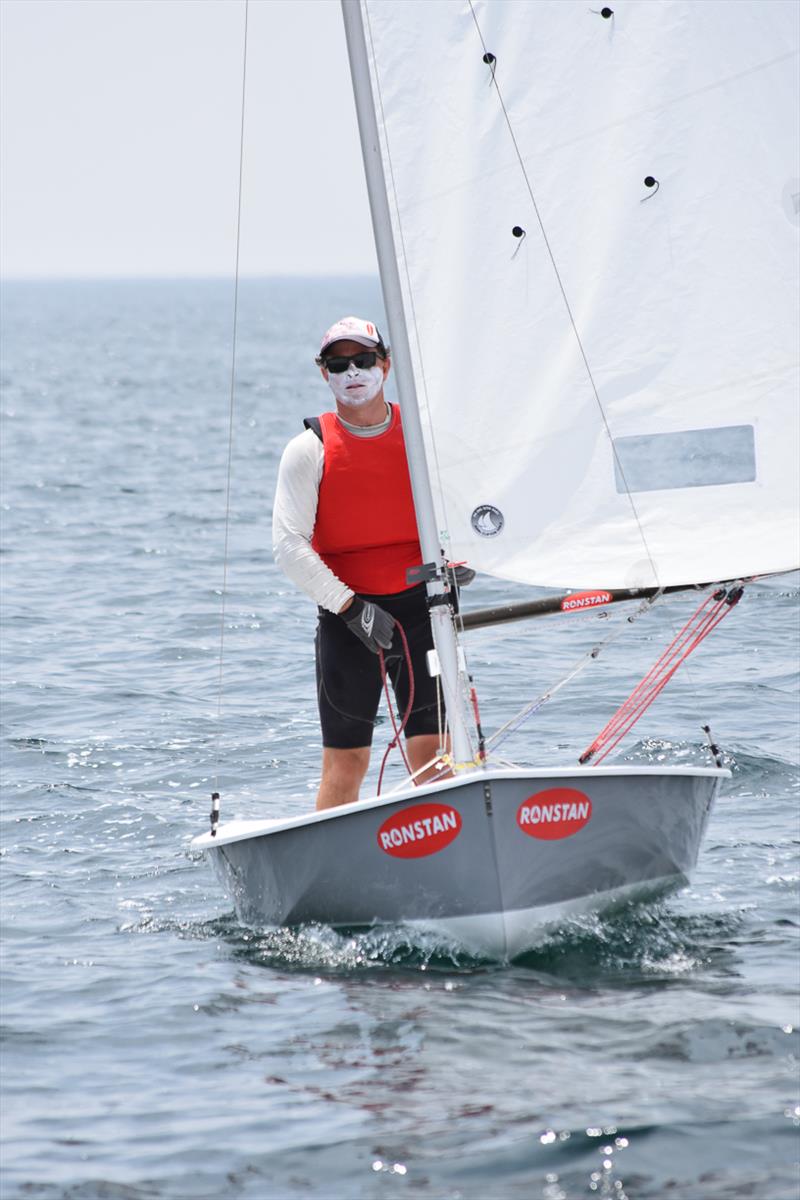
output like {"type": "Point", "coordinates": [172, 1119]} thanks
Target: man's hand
{"type": "Point", "coordinates": [371, 624]}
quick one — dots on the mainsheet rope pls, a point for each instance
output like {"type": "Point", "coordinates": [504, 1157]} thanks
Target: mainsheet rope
{"type": "Point", "coordinates": [215, 800]}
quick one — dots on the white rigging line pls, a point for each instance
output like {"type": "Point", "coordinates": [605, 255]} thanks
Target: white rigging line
{"type": "Point", "coordinates": [230, 411]}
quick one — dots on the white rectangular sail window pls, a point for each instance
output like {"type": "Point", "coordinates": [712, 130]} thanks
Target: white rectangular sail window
{"type": "Point", "coordinates": [690, 458]}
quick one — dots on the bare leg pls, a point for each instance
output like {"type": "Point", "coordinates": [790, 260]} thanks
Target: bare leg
{"type": "Point", "coordinates": [422, 749]}
{"type": "Point", "coordinates": [342, 774]}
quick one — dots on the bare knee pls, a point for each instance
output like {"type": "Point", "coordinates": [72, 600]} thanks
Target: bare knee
{"type": "Point", "coordinates": [343, 772]}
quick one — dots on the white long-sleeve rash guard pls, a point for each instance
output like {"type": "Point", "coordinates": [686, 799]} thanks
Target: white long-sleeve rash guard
{"type": "Point", "coordinates": [293, 518]}
{"type": "Point", "coordinates": [295, 513]}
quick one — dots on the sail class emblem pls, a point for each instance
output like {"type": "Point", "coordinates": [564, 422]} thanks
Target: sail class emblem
{"type": "Point", "coordinates": [487, 520]}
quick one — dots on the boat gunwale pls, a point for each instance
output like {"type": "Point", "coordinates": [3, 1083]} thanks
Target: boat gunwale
{"type": "Point", "coordinates": [242, 830]}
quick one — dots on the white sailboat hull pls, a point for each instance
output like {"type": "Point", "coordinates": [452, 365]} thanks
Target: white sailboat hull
{"type": "Point", "coordinates": [487, 861]}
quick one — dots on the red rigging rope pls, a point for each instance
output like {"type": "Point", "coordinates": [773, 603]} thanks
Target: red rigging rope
{"type": "Point", "coordinates": [515, 723]}
{"type": "Point", "coordinates": [398, 730]}
{"type": "Point", "coordinates": [476, 712]}
{"type": "Point", "coordinates": [713, 609]}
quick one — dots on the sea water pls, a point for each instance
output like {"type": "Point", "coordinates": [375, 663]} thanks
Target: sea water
{"type": "Point", "coordinates": [156, 1048]}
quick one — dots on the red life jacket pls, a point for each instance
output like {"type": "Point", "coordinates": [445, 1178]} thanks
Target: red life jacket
{"type": "Point", "coordinates": [366, 528]}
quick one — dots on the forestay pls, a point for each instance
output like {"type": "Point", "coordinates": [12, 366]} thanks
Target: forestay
{"type": "Point", "coordinates": [609, 393]}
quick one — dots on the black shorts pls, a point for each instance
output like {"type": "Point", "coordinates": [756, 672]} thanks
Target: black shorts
{"type": "Point", "coordinates": [349, 683]}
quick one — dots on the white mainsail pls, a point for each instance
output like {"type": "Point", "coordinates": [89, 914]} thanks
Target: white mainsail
{"type": "Point", "coordinates": [609, 393]}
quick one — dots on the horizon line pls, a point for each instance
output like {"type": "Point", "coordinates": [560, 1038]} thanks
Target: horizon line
{"type": "Point", "coordinates": [211, 278]}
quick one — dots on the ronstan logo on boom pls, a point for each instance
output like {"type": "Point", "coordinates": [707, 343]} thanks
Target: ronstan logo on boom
{"type": "Point", "coordinates": [419, 830]}
{"type": "Point", "coordinates": [580, 600]}
{"type": "Point", "coordinates": [554, 813]}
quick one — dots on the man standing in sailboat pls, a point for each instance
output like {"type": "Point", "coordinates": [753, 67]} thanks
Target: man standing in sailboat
{"type": "Point", "coordinates": [345, 532]}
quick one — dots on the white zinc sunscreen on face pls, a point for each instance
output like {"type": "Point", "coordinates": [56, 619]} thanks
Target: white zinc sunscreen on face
{"type": "Point", "coordinates": [356, 387]}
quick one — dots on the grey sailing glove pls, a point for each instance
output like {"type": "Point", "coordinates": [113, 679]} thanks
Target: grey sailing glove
{"type": "Point", "coordinates": [371, 624]}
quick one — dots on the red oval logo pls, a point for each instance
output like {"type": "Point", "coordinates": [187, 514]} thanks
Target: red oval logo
{"type": "Point", "coordinates": [554, 813]}
{"type": "Point", "coordinates": [419, 830]}
{"type": "Point", "coordinates": [579, 600]}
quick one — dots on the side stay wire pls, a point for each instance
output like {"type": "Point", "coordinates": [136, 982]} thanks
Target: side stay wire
{"type": "Point", "coordinates": [215, 799]}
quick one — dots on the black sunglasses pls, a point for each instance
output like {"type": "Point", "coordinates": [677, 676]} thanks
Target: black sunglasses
{"type": "Point", "coordinates": [338, 364]}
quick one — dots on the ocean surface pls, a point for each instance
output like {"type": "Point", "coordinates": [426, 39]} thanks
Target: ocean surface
{"type": "Point", "coordinates": [153, 1047]}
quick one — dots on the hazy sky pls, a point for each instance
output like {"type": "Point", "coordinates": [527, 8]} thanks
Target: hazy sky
{"type": "Point", "coordinates": [120, 134]}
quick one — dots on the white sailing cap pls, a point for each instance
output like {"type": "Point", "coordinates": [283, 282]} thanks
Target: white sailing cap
{"type": "Point", "coordinates": [352, 329]}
